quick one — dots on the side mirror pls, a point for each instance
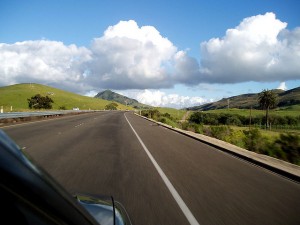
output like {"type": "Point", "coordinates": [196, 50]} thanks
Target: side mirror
{"type": "Point", "coordinates": [106, 211]}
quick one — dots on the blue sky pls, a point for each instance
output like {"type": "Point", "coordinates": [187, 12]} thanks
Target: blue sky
{"type": "Point", "coordinates": [191, 54]}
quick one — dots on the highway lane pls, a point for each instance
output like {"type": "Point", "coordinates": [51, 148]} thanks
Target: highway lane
{"type": "Point", "coordinates": [98, 153]}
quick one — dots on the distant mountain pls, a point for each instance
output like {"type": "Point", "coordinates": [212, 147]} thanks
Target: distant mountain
{"type": "Point", "coordinates": [112, 96]}
{"type": "Point", "coordinates": [245, 101]}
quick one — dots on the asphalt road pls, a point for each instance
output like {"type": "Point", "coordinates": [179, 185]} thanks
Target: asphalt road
{"type": "Point", "coordinates": [99, 153]}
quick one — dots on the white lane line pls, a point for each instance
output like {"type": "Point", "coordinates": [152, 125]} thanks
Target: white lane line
{"type": "Point", "coordinates": [188, 214]}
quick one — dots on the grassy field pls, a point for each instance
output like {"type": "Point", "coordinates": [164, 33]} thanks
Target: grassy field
{"type": "Point", "coordinates": [16, 96]}
{"type": "Point", "coordinates": [290, 111]}
{"type": "Point", "coordinates": [293, 111]}
{"type": "Point", "coordinates": [175, 113]}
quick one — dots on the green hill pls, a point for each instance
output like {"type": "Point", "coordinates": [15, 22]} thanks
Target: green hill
{"type": "Point", "coordinates": [286, 99]}
{"type": "Point", "coordinates": [17, 95]}
{"type": "Point", "coordinates": [112, 96]}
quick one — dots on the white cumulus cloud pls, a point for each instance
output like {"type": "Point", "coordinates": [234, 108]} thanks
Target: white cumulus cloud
{"type": "Point", "coordinates": [40, 61]}
{"type": "Point", "coordinates": [282, 86]}
{"type": "Point", "coordinates": [160, 98]}
{"type": "Point", "coordinates": [129, 56]}
{"type": "Point", "coordinates": [259, 49]}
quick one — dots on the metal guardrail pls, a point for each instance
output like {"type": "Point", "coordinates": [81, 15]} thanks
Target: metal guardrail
{"type": "Point", "coordinates": [39, 113]}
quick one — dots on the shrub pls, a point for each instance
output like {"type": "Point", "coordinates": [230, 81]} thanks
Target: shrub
{"type": "Point", "coordinates": [63, 107]}
{"type": "Point", "coordinates": [111, 106]}
{"type": "Point", "coordinates": [40, 102]}
{"type": "Point", "coordinates": [184, 125]}
{"type": "Point", "coordinates": [240, 120]}
{"type": "Point", "coordinates": [253, 140]}
{"type": "Point", "coordinates": [151, 113]}
{"type": "Point", "coordinates": [162, 120]}
{"type": "Point", "coordinates": [196, 117]}
{"type": "Point", "coordinates": [274, 150]}
{"type": "Point", "coordinates": [220, 132]}
{"type": "Point", "coordinates": [236, 137]}
{"type": "Point", "coordinates": [167, 115]}
{"type": "Point", "coordinates": [169, 122]}
{"type": "Point", "coordinates": [198, 128]}
{"type": "Point", "coordinates": [233, 120]}
{"type": "Point", "coordinates": [290, 145]}
{"type": "Point", "coordinates": [292, 120]}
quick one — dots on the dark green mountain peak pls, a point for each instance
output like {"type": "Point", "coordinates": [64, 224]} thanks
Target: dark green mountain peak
{"type": "Point", "coordinates": [113, 96]}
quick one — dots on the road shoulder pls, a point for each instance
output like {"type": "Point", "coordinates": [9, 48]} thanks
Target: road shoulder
{"type": "Point", "coordinates": [281, 167]}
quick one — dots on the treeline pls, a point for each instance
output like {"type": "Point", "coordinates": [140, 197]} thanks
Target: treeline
{"type": "Point", "coordinates": [240, 120]}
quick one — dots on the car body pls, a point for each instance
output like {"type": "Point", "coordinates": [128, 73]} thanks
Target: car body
{"type": "Point", "coordinates": [31, 196]}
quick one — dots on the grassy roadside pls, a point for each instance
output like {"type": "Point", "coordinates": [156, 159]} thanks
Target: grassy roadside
{"type": "Point", "coordinates": [280, 145]}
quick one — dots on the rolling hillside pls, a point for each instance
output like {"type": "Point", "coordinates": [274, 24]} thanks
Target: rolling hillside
{"type": "Point", "coordinates": [17, 95]}
{"type": "Point", "coordinates": [112, 96]}
{"type": "Point", "coordinates": [286, 99]}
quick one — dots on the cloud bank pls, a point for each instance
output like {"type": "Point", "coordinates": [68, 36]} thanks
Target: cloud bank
{"type": "Point", "coordinates": [42, 61]}
{"type": "Point", "coordinates": [259, 49]}
{"type": "Point", "coordinates": [159, 98]}
{"type": "Point", "coordinates": [127, 56]}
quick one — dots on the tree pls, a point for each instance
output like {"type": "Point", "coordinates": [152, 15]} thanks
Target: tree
{"type": "Point", "coordinates": [267, 99]}
{"type": "Point", "coordinates": [40, 102]}
{"type": "Point", "coordinates": [111, 106]}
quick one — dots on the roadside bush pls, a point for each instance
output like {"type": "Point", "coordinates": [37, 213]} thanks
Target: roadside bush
{"type": "Point", "coordinates": [151, 113]}
{"type": "Point", "coordinates": [240, 120]}
{"type": "Point", "coordinates": [111, 106]}
{"type": "Point", "coordinates": [220, 132]}
{"type": "Point", "coordinates": [253, 140]}
{"type": "Point", "coordinates": [197, 117]}
{"type": "Point", "coordinates": [167, 115]}
{"type": "Point", "coordinates": [207, 131]}
{"type": "Point", "coordinates": [168, 122]}
{"type": "Point", "coordinates": [285, 147]}
{"type": "Point", "coordinates": [236, 137]}
{"type": "Point", "coordinates": [145, 113]}
{"type": "Point", "coordinates": [223, 118]}
{"type": "Point", "coordinates": [233, 120]}
{"type": "Point", "coordinates": [211, 119]}
{"type": "Point", "coordinates": [162, 120]}
{"type": "Point", "coordinates": [258, 120]}
{"type": "Point", "coordinates": [63, 107]}
{"type": "Point", "coordinates": [198, 128]}
{"type": "Point", "coordinates": [293, 121]}
{"type": "Point", "coordinates": [290, 145]}
{"type": "Point", "coordinates": [184, 125]}
{"type": "Point", "coordinates": [274, 150]}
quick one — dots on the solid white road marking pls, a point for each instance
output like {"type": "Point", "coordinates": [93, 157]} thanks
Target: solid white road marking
{"type": "Point", "coordinates": [188, 214]}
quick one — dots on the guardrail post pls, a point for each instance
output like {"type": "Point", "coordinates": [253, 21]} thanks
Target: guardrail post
{"type": "Point", "coordinates": [1, 109]}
